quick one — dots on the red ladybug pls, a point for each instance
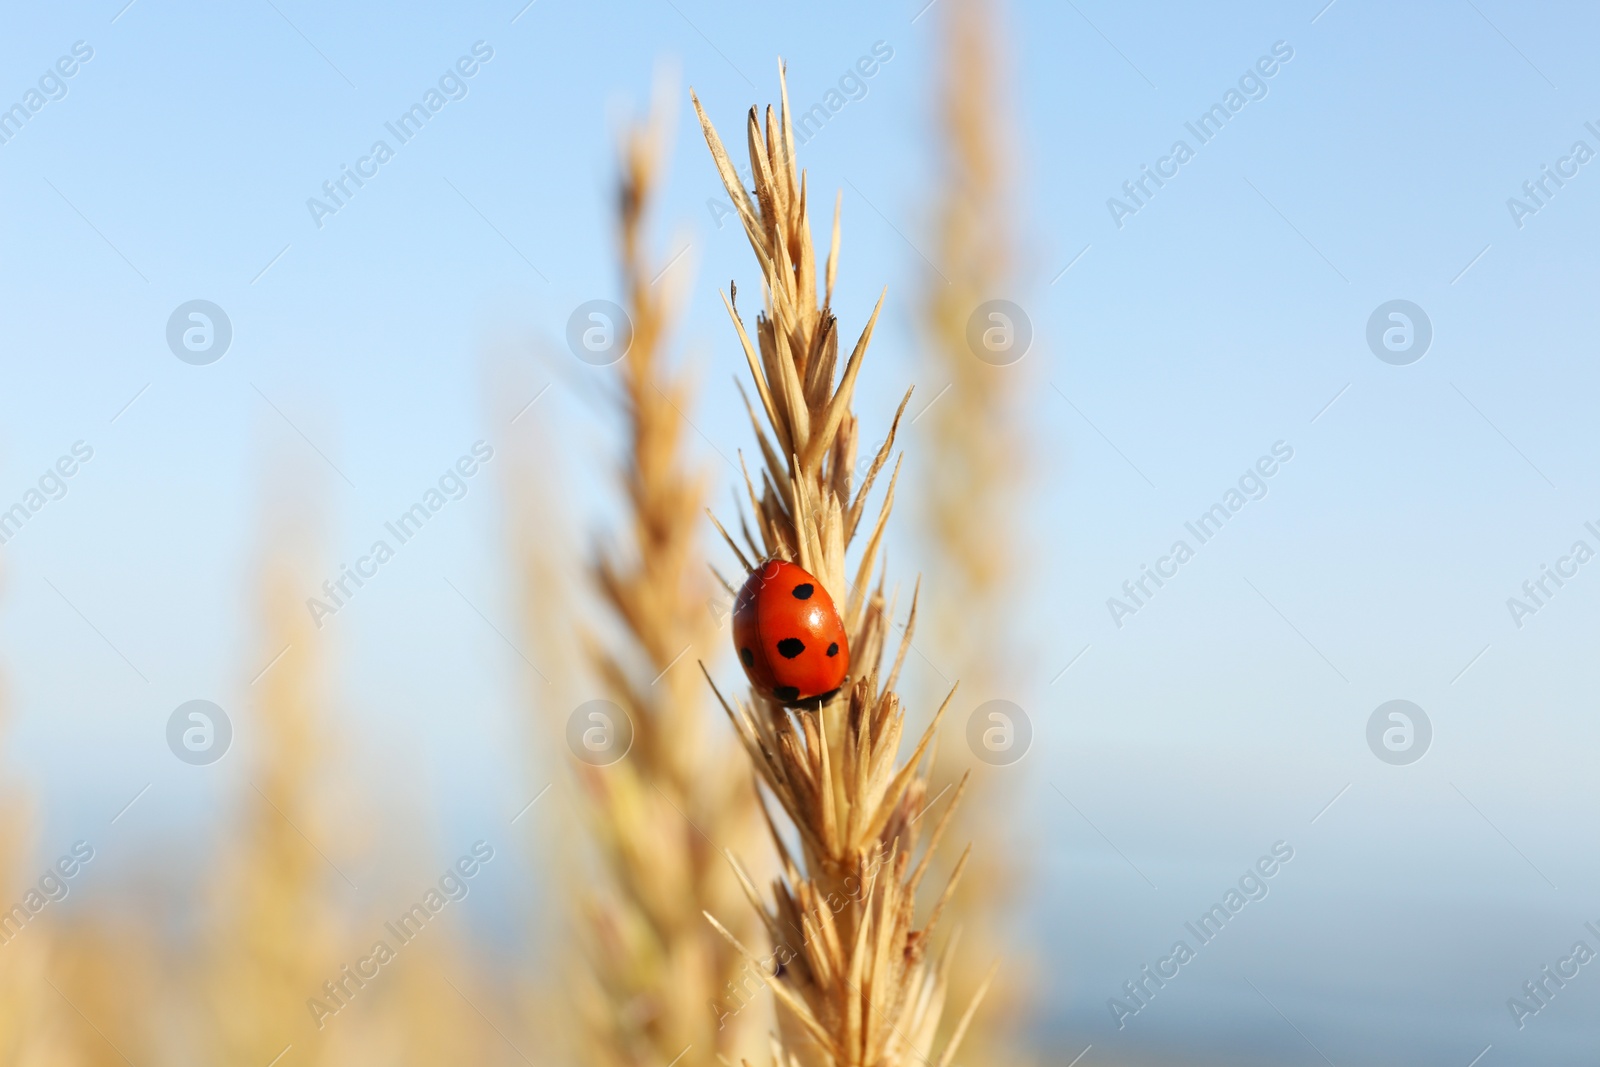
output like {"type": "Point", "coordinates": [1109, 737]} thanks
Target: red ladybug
{"type": "Point", "coordinates": [789, 635]}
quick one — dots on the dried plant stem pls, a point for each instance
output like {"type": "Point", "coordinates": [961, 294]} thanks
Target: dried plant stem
{"type": "Point", "coordinates": [35, 1023]}
{"type": "Point", "coordinates": [278, 932]}
{"type": "Point", "coordinates": [665, 987]}
{"type": "Point", "coordinates": [975, 470]}
{"type": "Point", "coordinates": [850, 967]}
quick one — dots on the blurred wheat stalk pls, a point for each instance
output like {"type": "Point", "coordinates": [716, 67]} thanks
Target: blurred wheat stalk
{"type": "Point", "coordinates": [975, 472]}
{"type": "Point", "coordinates": [33, 1019]}
{"type": "Point", "coordinates": [850, 968]}
{"type": "Point", "coordinates": [662, 986]}
{"type": "Point", "coordinates": [73, 984]}
{"type": "Point", "coordinates": [276, 931]}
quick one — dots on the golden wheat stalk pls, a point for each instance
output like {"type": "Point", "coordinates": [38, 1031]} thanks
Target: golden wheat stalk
{"type": "Point", "coordinates": [276, 934]}
{"type": "Point", "coordinates": [37, 1027]}
{"type": "Point", "coordinates": [851, 969]}
{"type": "Point", "coordinates": [979, 455]}
{"type": "Point", "coordinates": [106, 968]}
{"type": "Point", "coordinates": [36, 1024]}
{"type": "Point", "coordinates": [975, 471]}
{"type": "Point", "coordinates": [542, 553]}
{"type": "Point", "coordinates": [662, 978]}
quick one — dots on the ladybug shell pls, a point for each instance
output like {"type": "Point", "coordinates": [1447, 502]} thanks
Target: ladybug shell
{"type": "Point", "coordinates": [789, 635]}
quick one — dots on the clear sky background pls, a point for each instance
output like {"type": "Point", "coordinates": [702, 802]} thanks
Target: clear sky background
{"type": "Point", "coordinates": [1229, 313]}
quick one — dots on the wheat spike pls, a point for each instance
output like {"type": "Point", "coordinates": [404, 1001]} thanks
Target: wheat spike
{"type": "Point", "coordinates": [277, 934]}
{"type": "Point", "coordinates": [974, 475]}
{"type": "Point", "coordinates": [850, 966]}
{"type": "Point", "coordinates": [37, 1027]}
{"type": "Point", "coordinates": [104, 960]}
{"type": "Point", "coordinates": [662, 986]}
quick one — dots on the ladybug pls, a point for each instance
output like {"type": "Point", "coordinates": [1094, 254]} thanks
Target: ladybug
{"type": "Point", "coordinates": [789, 635]}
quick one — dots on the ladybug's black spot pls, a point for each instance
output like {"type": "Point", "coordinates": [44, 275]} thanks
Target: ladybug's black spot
{"type": "Point", "coordinates": [803, 591]}
{"type": "Point", "coordinates": [833, 648]}
{"type": "Point", "coordinates": [746, 657]}
{"type": "Point", "coordinates": [786, 693]}
{"type": "Point", "coordinates": [790, 647]}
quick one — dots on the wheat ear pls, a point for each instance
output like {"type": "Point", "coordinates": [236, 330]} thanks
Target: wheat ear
{"type": "Point", "coordinates": [36, 1024]}
{"type": "Point", "coordinates": [278, 936]}
{"type": "Point", "coordinates": [975, 472]}
{"type": "Point", "coordinates": [851, 969]}
{"type": "Point", "coordinates": [661, 977]}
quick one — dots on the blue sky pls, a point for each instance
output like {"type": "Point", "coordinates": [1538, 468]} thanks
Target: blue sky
{"type": "Point", "coordinates": [1227, 314]}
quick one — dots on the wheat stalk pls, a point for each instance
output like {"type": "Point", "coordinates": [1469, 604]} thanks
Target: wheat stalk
{"type": "Point", "coordinates": [851, 969]}
{"type": "Point", "coordinates": [975, 470]}
{"type": "Point", "coordinates": [37, 1027]}
{"type": "Point", "coordinates": [662, 978]}
{"type": "Point", "coordinates": [35, 1023]}
{"type": "Point", "coordinates": [277, 937]}
{"type": "Point", "coordinates": [542, 552]}
{"type": "Point", "coordinates": [106, 964]}
{"type": "Point", "coordinates": [979, 455]}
